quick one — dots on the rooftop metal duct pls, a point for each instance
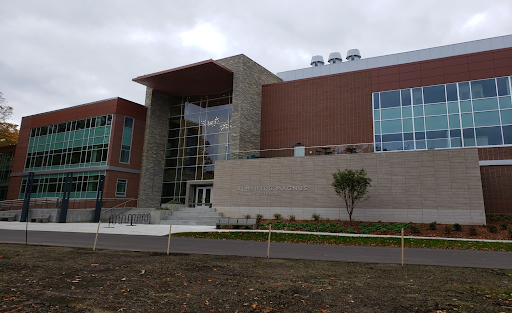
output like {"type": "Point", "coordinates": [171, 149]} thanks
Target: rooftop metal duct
{"type": "Point", "coordinates": [353, 54]}
{"type": "Point", "coordinates": [335, 57]}
{"type": "Point", "coordinates": [317, 60]}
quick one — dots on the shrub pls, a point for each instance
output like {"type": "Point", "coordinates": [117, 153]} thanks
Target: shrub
{"type": "Point", "coordinates": [277, 216]}
{"type": "Point", "coordinates": [174, 202]}
{"type": "Point", "coordinates": [161, 208]}
{"type": "Point", "coordinates": [291, 217]}
{"type": "Point", "coordinates": [340, 229]}
{"type": "Point", "coordinates": [315, 216]}
{"type": "Point", "coordinates": [415, 230]}
{"type": "Point", "coordinates": [263, 227]}
{"type": "Point", "coordinates": [457, 227]}
{"type": "Point", "coordinates": [492, 228]}
{"type": "Point", "coordinates": [503, 226]}
{"type": "Point", "coordinates": [350, 230]}
{"type": "Point", "coordinates": [259, 216]}
{"type": "Point", "coordinates": [433, 225]}
{"type": "Point", "coordinates": [472, 231]}
{"type": "Point", "coordinates": [447, 229]}
{"type": "Point", "coordinates": [247, 216]}
{"type": "Point", "coordinates": [321, 227]}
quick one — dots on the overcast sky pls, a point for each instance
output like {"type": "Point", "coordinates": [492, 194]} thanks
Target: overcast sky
{"type": "Point", "coordinates": [56, 54]}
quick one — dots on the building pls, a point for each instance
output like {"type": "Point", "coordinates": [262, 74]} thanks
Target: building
{"type": "Point", "coordinates": [433, 129]}
{"type": "Point", "coordinates": [87, 140]}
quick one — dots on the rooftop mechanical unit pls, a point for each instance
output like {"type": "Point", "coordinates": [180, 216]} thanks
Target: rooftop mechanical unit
{"type": "Point", "coordinates": [335, 57]}
{"type": "Point", "coordinates": [317, 60]}
{"type": "Point", "coordinates": [353, 54]}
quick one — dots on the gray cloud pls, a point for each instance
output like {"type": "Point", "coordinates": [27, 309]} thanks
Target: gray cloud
{"type": "Point", "coordinates": [55, 54]}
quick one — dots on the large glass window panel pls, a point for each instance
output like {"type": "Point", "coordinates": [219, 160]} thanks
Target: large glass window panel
{"type": "Point", "coordinates": [216, 139]}
{"type": "Point", "coordinates": [485, 104]}
{"type": "Point", "coordinates": [505, 103]}
{"type": "Point", "coordinates": [192, 108]}
{"type": "Point", "coordinates": [503, 86]}
{"type": "Point", "coordinates": [438, 143]}
{"type": "Point", "coordinates": [506, 117]}
{"type": "Point", "coordinates": [378, 138]}
{"type": "Point", "coordinates": [469, 137]}
{"type": "Point", "coordinates": [408, 136]}
{"type": "Point", "coordinates": [391, 126]}
{"type": "Point", "coordinates": [483, 88]}
{"type": "Point", "coordinates": [174, 122]}
{"type": "Point", "coordinates": [456, 142]}
{"type": "Point", "coordinates": [437, 134]}
{"type": "Point", "coordinates": [454, 121]}
{"type": "Point", "coordinates": [389, 99]}
{"type": "Point", "coordinates": [417, 96]}
{"type": "Point", "coordinates": [215, 149]}
{"type": "Point", "coordinates": [392, 146]}
{"type": "Point", "coordinates": [387, 114]}
{"type": "Point", "coordinates": [421, 144]}
{"type": "Point", "coordinates": [217, 121]}
{"type": "Point", "coordinates": [418, 110]}
{"type": "Point", "coordinates": [392, 137]}
{"type": "Point", "coordinates": [488, 136]}
{"type": "Point", "coordinates": [464, 93]}
{"type": "Point", "coordinates": [375, 100]}
{"type": "Point", "coordinates": [451, 92]}
{"type": "Point", "coordinates": [407, 122]}
{"type": "Point", "coordinates": [453, 107]}
{"type": "Point", "coordinates": [377, 128]}
{"type": "Point", "coordinates": [507, 135]}
{"type": "Point", "coordinates": [488, 118]}
{"type": "Point", "coordinates": [407, 112]}
{"type": "Point", "coordinates": [376, 114]}
{"type": "Point", "coordinates": [455, 133]}
{"type": "Point", "coordinates": [408, 145]}
{"type": "Point", "coordinates": [193, 119]}
{"type": "Point", "coordinates": [419, 123]}
{"type": "Point", "coordinates": [465, 106]}
{"type": "Point", "coordinates": [189, 173]}
{"type": "Point", "coordinates": [435, 109]}
{"type": "Point", "coordinates": [434, 94]}
{"type": "Point", "coordinates": [419, 135]}
{"type": "Point", "coordinates": [406, 97]}
{"type": "Point", "coordinates": [436, 122]}
{"type": "Point", "coordinates": [467, 120]}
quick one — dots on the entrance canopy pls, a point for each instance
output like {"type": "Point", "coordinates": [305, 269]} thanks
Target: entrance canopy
{"type": "Point", "coordinates": [204, 77]}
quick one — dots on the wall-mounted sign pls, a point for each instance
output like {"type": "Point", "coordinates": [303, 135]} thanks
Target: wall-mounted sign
{"type": "Point", "coordinates": [267, 190]}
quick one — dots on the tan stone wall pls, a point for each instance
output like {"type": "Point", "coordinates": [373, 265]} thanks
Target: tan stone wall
{"type": "Point", "coordinates": [417, 186]}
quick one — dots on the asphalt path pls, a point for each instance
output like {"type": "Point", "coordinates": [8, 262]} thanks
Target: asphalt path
{"type": "Point", "coordinates": [418, 256]}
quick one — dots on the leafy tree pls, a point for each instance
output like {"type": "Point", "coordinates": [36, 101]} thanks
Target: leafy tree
{"type": "Point", "coordinates": [351, 186]}
{"type": "Point", "coordinates": [8, 131]}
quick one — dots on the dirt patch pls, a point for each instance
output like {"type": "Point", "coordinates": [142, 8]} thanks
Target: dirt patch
{"type": "Point", "coordinates": [54, 279]}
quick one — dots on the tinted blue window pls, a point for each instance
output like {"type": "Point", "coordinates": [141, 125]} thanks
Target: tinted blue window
{"type": "Point", "coordinates": [391, 137]}
{"type": "Point", "coordinates": [464, 91]}
{"type": "Point", "coordinates": [419, 135]}
{"type": "Point", "coordinates": [406, 112]}
{"type": "Point", "coordinates": [469, 137]}
{"type": "Point", "coordinates": [390, 99]}
{"type": "Point", "coordinates": [483, 88]}
{"type": "Point", "coordinates": [488, 136]}
{"type": "Point", "coordinates": [406, 97]}
{"type": "Point", "coordinates": [417, 97]}
{"type": "Point", "coordinates": [408, 136]}
{"type": "Point", "coordinates": [434, 94]}
{"type": "Point", "coordinates": [408, 145]}
{"type": "Point", "coordinates": [376, 100]}
{"type": "Point", "coordinates": [392, 146]}
{"type": "Point", "coordinates": [421, 144]}
{"type": "Point", "coordinates": [505, 103]}
{"type": "Point", "coordinates": [503, 87]}
{"type": "Point", "coordinates": [456, 142]}
{"type": "Point", "coordinates": [506, 117]}
{"type": "Point", "coordinates": [388, 114]}
{"type": "Point", "coordinates": [437, 134]}
{"type": "Point", "coordinates": [377, 138]}
{"type": "Point", "coordinates": [485, 104]}
{"type": "Point", "coordinates": [407, 125]}
{"type": "Point", "coordinates": [392, 126]}
{"type": "Point", "coordinates": [455, 133]}
{"type": "Point", "coordinates": [451, 92]}
{"type": "Point", "coordinates": [438, 143]}
{"type": "Point", "coordinates": [488, 118]}
{"type": "Point", "coordinates": [507, 135]}
{"type": "Point", "coordinates": [378, 147]}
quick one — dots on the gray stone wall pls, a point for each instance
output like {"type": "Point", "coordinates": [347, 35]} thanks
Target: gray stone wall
{"type": "Point", "coordinates": [248, 77]}
{"type": "Point", "coordinates": [150, 187]}
{"type": "Point", "coordinates": [417, 186]}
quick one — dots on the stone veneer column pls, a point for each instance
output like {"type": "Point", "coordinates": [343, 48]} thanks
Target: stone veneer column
{"type": "Point", "coordinates": [248, 78]}
{"type": "Point", "coordinates": [150, 186]}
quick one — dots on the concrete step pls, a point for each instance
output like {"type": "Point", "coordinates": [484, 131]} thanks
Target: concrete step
{"type": "Point", "coordinates": [194, 214]}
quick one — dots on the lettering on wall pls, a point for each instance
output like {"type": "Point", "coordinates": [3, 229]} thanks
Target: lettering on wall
{"type": "Point", "coordinates": [267, 190]}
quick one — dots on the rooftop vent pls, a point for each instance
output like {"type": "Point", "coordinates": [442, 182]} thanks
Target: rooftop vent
{"type": "Point", "coordinates": [335, 57]}
{"type": "Point", "coordinates": [317, 60]}
{"type": "Point", "coordinates": [353, 54]}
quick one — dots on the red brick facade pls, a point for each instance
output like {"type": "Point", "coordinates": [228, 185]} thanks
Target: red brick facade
{"type": "Point", "coordinates": [119, 108]}
{"type": "Point", "coordinates": [497, 189]}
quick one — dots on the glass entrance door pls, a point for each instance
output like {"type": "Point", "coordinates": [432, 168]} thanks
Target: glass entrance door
{"type": "Point", "coordinates": [203, 197]}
